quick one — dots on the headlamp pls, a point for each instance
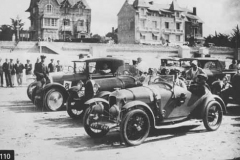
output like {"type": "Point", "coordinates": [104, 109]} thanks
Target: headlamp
{"type": "Point", "coordinates": [95, 88]}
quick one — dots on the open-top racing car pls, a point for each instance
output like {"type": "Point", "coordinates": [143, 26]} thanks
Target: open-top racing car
{"type": "Point", "coordinates": [135, 111]}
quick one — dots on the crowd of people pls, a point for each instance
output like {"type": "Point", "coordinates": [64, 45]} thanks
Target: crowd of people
{"type": "Point", "coordinates": [13, 71]}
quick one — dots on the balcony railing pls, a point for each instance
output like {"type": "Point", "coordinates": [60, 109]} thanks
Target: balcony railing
{"type": "Point", "coordinates": [66, 28]}
{"type": "Point", "coordinates": [175, 31]}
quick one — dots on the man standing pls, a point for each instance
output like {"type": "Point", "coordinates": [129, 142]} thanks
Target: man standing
{"type": "Point", "coordinates": [19, 71]}
{"type": "Point", "coordinates": [51, 66]}
{"type": "Point", "coordinates": [142, 66]}
{"type": "Point", "coordinates": [13, 72]}
{"type": "Point", "coordinates": [7, 71]}
{"type": "Point", "coordinates": [1, 72]}
{"type": "Point", "coordinates": [28, 70]}
{"type": "Point", "coordinates": [41, 72]}
{"type": "Point", "coordinates": [194, 71]}
{"type": "Point", "coordinates": [59, 66]}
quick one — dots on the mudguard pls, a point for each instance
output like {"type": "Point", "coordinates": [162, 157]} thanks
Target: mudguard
{"type": "Point", "coordinates": [209, 99]}
{"type": "Point", "coordinates": [102, 94]}
{"type": "Point", "coordinates": [148, 110]}
{"type": "Point", "coordinates": [96, 100]}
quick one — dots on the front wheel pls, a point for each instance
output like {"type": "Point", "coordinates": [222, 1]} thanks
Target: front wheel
{"type": "Point", "coordinates": [212, 117]}
{"type": "Point", "coordinates": [93, 119]}
{"type": "Point", "coordinates": [71, 109]}
{"type": "Point", "coordinates": [54, 100]}
{"type": "Point", "coordinates": [135, 127]}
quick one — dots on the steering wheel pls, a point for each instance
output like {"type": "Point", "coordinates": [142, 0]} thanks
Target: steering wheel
{"type": "Point", "coordinates": [163, 82]}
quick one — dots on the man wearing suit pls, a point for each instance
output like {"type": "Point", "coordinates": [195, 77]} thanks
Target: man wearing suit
{"type": "Point", "coordinates": [13, 72]}
{"type": "Point", "coordinates": [41, 72]}
{"type": "Point", "coordinates": [28, 67]}
{"type": "Point", "coordinates": [19, 71]}
{"type": "Point", "coordinates": [7, 71]}
{"type": "Point", "coordinates": [1, 72]}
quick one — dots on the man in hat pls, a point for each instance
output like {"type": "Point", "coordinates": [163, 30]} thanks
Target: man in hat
{"type": "Point", "coordinates": [13, 71]}
{"type": "Point", "coordinates": [28, 71]}
{"type": "Point", "coordinates": [19, 71]}
{"type": "Point", "coordinates": [1, 72]}
{"type": "Point", "coordinates": [51, 66]}
{"type": "Point", "coordinates": [59, 67]}
{"type": "Point", "coordinates": [41, 72]}
{"type": "Point", "coordinates": [194, 71]}
{"type": "Point", "coordinates": [7, 71]}
{"type": "Point", "coordinates": [142, 66]}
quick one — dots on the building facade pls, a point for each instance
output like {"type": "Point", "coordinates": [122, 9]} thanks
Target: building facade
{"type": "Point", "coordinates": [151, 23]}
{"type": "Point", "coordinates": [59, 19]}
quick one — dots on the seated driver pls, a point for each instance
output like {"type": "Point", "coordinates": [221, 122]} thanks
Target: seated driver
{"type": "Point", "coordinates": [105, 69]}
{"type": "Point", "coordinates": [178, 81]}
{"type": "Point", "coordinates": [194, 71]}
{"type": "Point", "coordinates": [200, 87]}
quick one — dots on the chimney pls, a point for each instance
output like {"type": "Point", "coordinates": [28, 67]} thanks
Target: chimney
{"type": "Point", "coordinates": [113, 30]}
{"type": "Point", "coordinates": [194, 11]}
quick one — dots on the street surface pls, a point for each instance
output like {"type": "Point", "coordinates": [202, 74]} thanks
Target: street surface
{"type": "Point", "coordinates": [38, 135]}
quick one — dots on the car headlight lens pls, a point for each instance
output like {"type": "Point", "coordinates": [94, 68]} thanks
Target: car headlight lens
{"type": "Point", "coordinates": [95, 88]}
{"type": "Point", "coordinates": [114, 111]}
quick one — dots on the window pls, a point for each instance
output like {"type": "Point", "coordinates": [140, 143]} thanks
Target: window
{"type": "Point", "coordinates": [154, 23]}
{"type": "Point", "coordinates": [81, 22]}
{"type": "Point", "coordinates": [178, 38]}
{"type": "Point", "coordinates": [167, 37]}
{"type": "Point", "coordinates": [50, 22]}
{"type": "Point", "coordinates": [178, 25]}
{"type": "Point", "coordinates": [142, 23]}
{"type": "Point", "coordinates": [177, 14]}
{"type": "Point", "coordinates": [92, 67]}
{"type": "Point", "coordinates": [66, 22]}
{"type": "Point", "coordinates": [142, 11]}
{"type": "Point", "coordinates": [154, 37]}
{"type": "Point", "coordinates": [80, 67]}
{"type": "Point", "coordinates": [142, 36]}
{"type": "Point", "coordinates": [195, 31]}
{"type": "Point", "coordinates": [132, 25]}
{"type": "Point", "coordinates": [49, 8]}
{"type": "Point", "coordinates": [167, 25]}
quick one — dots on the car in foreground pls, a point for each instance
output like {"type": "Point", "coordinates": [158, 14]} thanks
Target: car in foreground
{"type": "Point", "coordinates": [135, 111]}
{"type": "Point", "coordinates": [54, 95]}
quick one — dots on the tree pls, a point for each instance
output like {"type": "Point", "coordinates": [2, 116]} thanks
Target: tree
{"type": "Point", "coordinates": [113, 36]}
{"type": "Point", "coordinates": [6, 33]}
{"type": "Point", "coordinates": [97, 37]}
{"type": "Point", "coordinates": [235, 38]}
{"type": "Point", "coordinates": [17, 23]}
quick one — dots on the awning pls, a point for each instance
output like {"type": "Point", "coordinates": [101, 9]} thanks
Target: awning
{"type": "Point", "coordinates": [155, 34]}
{"type": "Point", "coordinates": [143, 34]}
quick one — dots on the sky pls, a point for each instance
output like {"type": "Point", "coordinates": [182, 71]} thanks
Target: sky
{"type": "Point", "coordinates": [218, 15]}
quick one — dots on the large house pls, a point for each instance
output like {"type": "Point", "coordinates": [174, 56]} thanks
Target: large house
{"type": "Point", "coordinates": [151, 23]}
{"type": "Point", "coordinates": [59, 19]}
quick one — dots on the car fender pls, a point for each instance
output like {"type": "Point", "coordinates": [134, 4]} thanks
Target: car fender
{"type": "Point", "coordinates": [58, 86]}
{"type": "Point", "coordinates": [102, 94]}
{"type": "Point", "coordinates": [202, 107]}
{"type": "Point", "coordinates": [93, 100]}
{"type": "Point", "coordinates": [142, 105]}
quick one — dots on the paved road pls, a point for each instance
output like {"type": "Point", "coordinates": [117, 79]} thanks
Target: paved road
{"type": "Point", "coordinates": [37, 135]}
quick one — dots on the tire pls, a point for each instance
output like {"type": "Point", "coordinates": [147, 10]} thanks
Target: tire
{"type": "Point", "coordinates": [133, 119]}
{"type": "Point", "coordinates": [34, 92]}
{"type": "Point", "coordinates": [38, 103]}
{"type": "Point", "coordinates": [30, 90]}
{"type": "Point", "coordinates": [54, 100]}
{"type": "Point", "coordinates": [213, 115]}
{"type": "Point", "coordinates": [74, 113]}
{"type": "Point", "coordinates": [92, 132]}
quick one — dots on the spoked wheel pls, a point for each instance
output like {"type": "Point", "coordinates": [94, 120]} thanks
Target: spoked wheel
{"type": "Point", "coordinates": [212, 117]}
{"type": "Point", "coordinates": [30, 90]}
{"type": "Point", "coordinates": [54, 100]}
{"type": "Point", "coordinates": [92, 124]}
{"type": "Point", "coordinates": [135, 127]}
{"type": "Point", "coordinates": [72, 112]}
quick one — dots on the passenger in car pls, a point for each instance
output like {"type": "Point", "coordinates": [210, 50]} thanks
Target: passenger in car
{"type": "Point", "coordinates": [105, 69]}
{"type": "Point", "coordinates": [200, 87]}
{"type": "Point", "coordinates": [177, 80]}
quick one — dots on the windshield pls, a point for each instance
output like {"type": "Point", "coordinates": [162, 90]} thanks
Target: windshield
{"type": "Point", "coordinates": [153, 79]}
{"type": "Point", "coordinates": [80, 67]}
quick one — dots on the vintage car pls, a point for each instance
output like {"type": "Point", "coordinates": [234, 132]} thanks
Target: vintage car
{"type": "Point", "coordinates": [213, 67]}
{"type": "Point", "coordinates": [135, 111]}
{"type": "Point", "coordinates": [53, 95]}
{"type": "Point", "coordinates": [101, 88]}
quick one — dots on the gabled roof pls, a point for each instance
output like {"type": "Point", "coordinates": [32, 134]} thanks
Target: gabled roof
{"type": "Point", "coordinates": [191, 16]}
{"type": "Point", "coordinates": [140, 3]}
